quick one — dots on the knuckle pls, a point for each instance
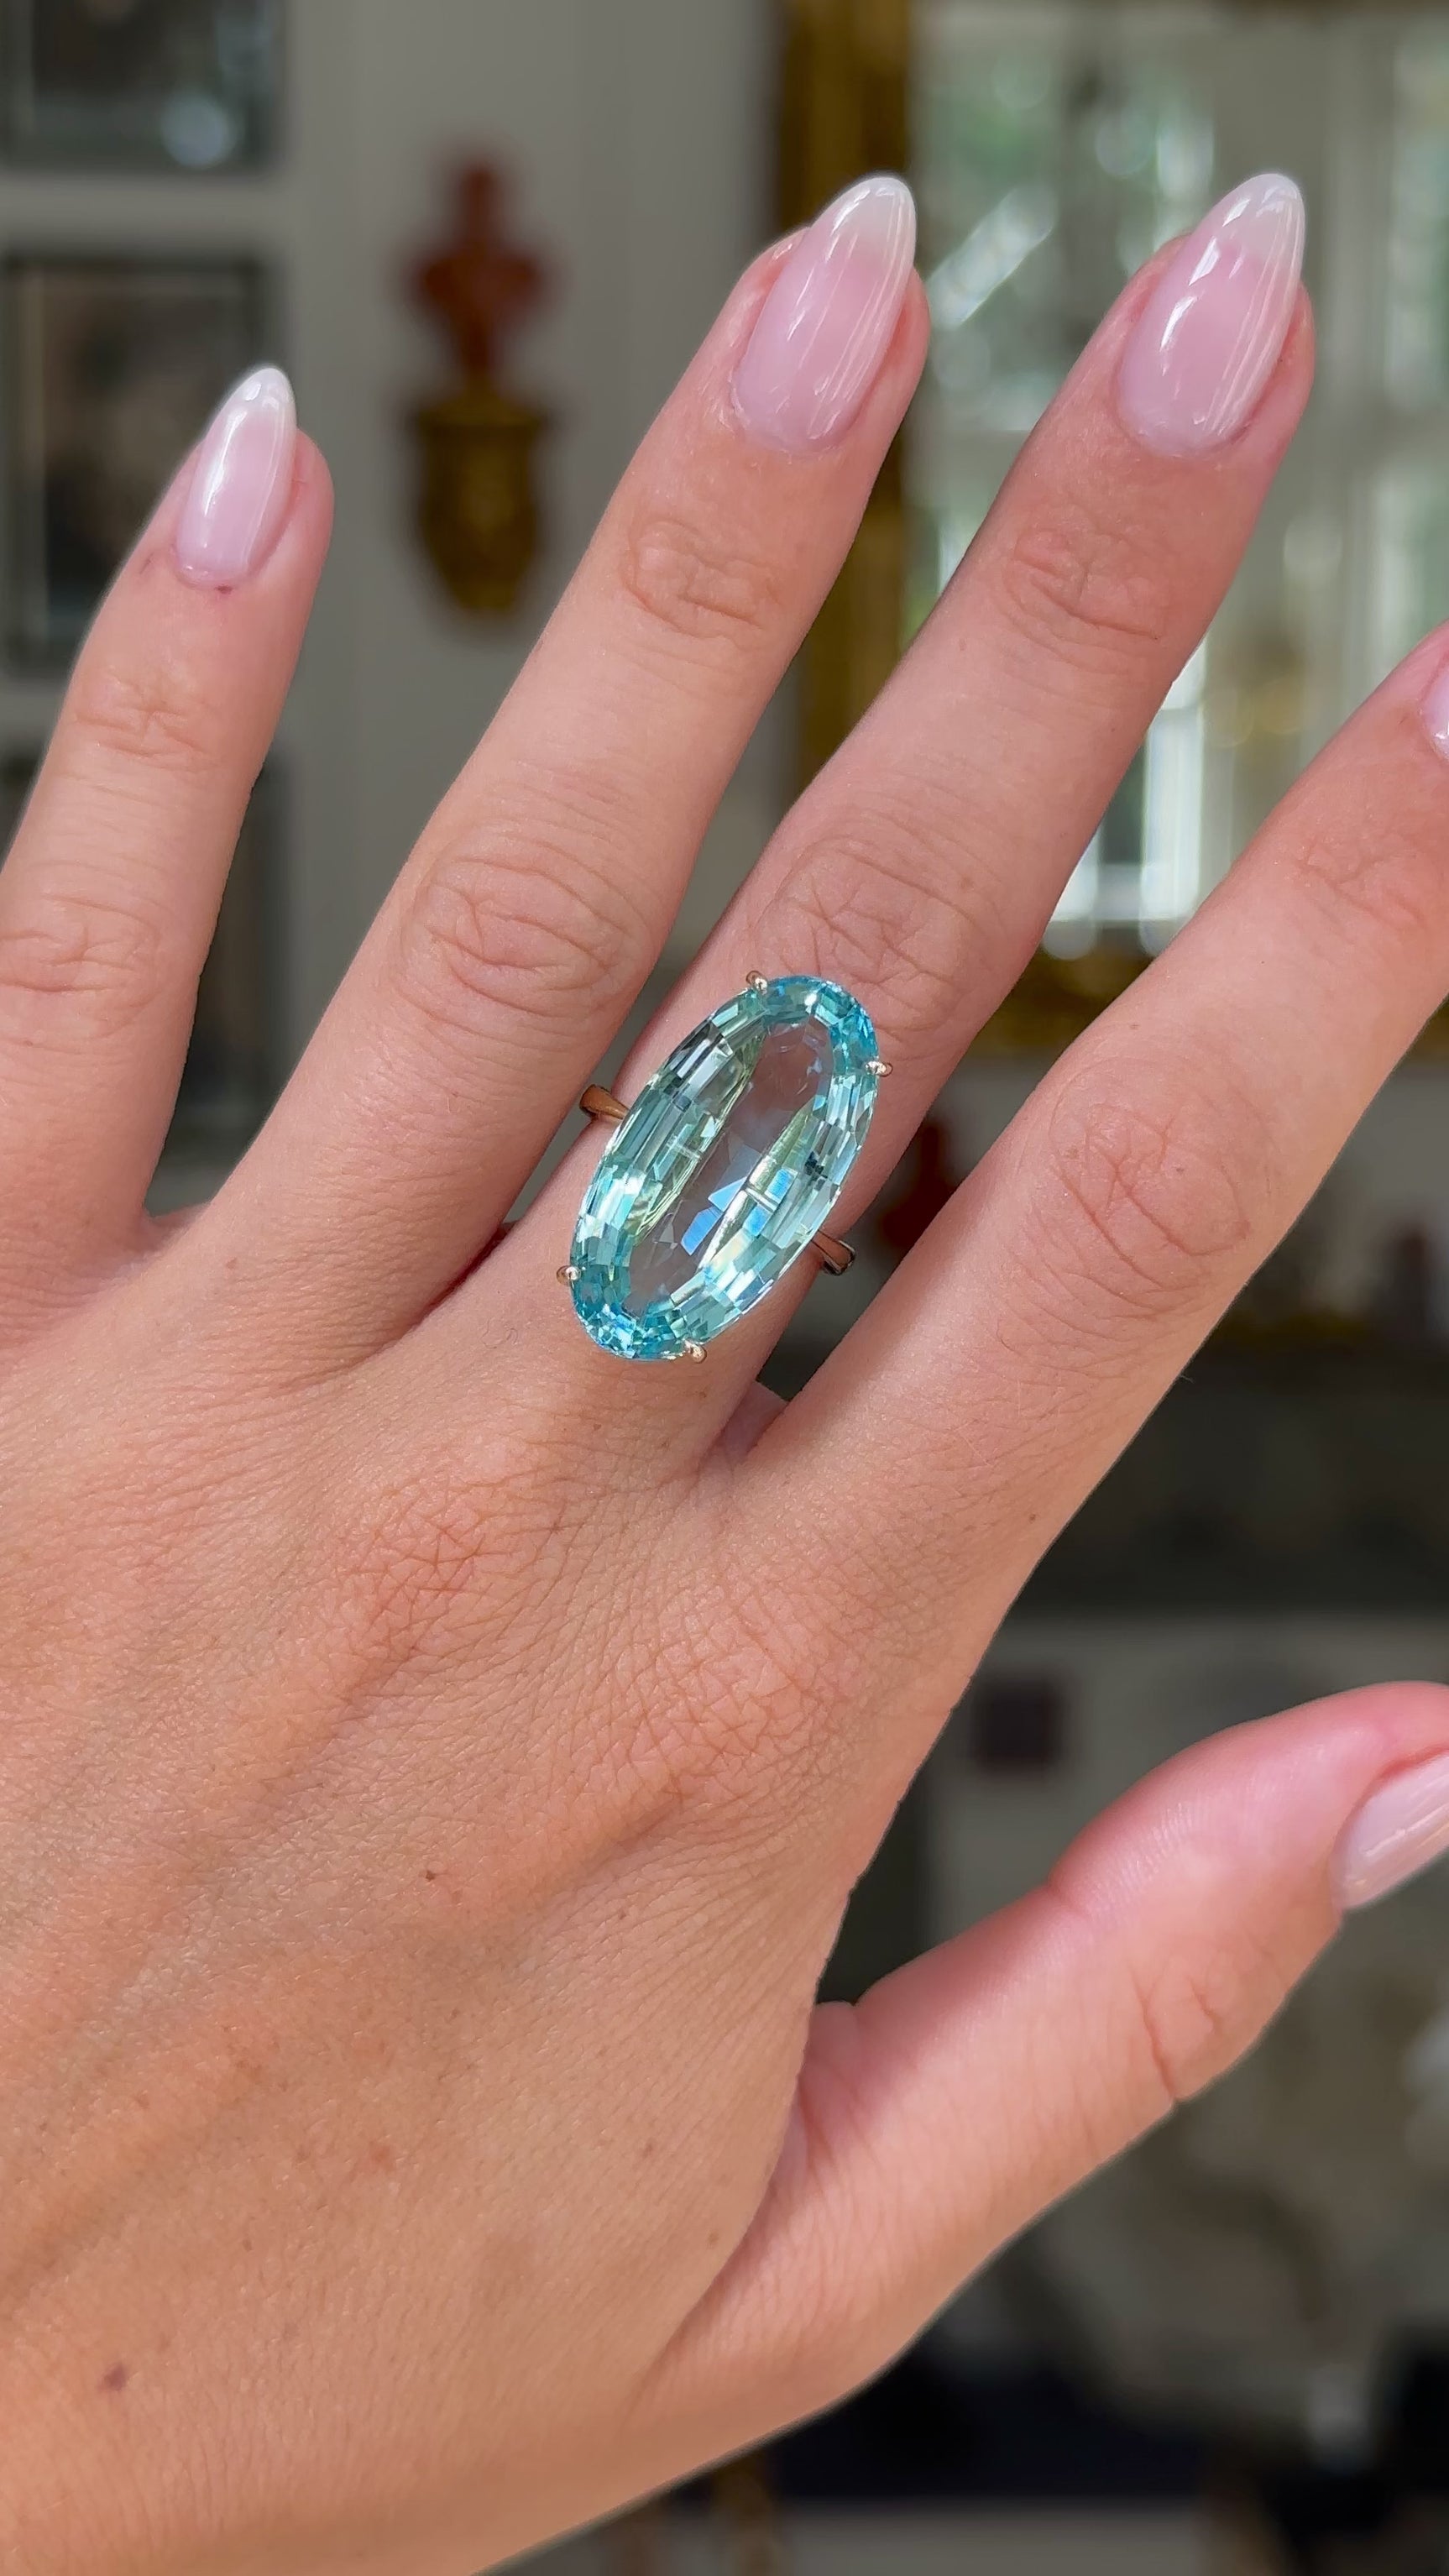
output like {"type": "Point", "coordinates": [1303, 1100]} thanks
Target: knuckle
{"type": "Point", "coordinates": [444, 1557]}
{"type": "Point", "coordinates": [888, 911]}
{"type": "Point", "coordinates": [727, 1690]}
{"type": "Point", "coordinates": [85, 948]}
{"type": "Point", "coordinates": [1199, 2013]}
{"type": "Point", "coordinates": [152, 716]}
{"type": "Point", "coordinates": [1190, 2007]}
{"type": "Point", "coordinates": [723, 1716]}
{"type": "Point", "coordinates": [1089, 595]}
{"type": "Point", "coordinates": [538, 931]}
{"type": "Point", "coordinates": [783, 1653]}
{"type": "Point", "coordinates": [1388, 882]}
{"type": "Point", "coordinates": [695, 586]}
{"type": "Point", "coordinates": [1143, 1198]}
{"type": "Point", "coordinates": [416, 1562]}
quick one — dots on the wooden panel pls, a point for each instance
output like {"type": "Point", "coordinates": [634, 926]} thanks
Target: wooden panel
{"type": "Point", "coordinates": [845, 114]}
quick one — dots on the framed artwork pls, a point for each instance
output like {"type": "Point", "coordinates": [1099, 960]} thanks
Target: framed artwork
{"type": "Point", "coordinates": [163, 84]}
{"type": "Point", "coordinates": [233, 1065]}
{"type": "Point", "coordinates": [112, 368]}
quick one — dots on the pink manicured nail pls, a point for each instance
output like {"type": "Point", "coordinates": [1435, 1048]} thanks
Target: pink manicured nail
{"type": "Point", "coordinates": [1199, 361]}
{"type": "Point", "coordinates": [829, 318]}
{"type": "Point", "coordinates": [1436, 711]}
{"type": "Point", "coordinates": [1402, 1830]}
{"type": "Point", "coordinates": [241, 483]}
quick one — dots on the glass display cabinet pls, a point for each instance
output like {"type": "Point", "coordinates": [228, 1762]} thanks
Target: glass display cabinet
{"type": "Point", "coordinates": [1053, 145]}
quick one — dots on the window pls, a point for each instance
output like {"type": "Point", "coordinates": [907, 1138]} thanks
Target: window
{"type": "Point", "coordinates": [1056, 146]}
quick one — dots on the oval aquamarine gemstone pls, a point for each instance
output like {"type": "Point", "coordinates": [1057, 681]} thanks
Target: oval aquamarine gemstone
{"type": "Point", "coordinates": [728, 1163]}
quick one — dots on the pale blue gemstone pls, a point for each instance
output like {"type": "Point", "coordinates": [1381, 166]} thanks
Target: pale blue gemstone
{"type": "Point", "coordinates": [728, 1163]}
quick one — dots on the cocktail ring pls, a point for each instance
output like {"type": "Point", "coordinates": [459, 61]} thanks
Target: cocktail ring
{"type": "Point", "coordinates": [722, 1173]}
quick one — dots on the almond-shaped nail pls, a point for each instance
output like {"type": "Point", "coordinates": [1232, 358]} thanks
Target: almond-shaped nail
{"type": "Point", "coordinates": [829, 319]}
{"type": "Point", "coordinates": [1436, 711]}
{"type": "Point", "coordinates": [240, 484]}
{"type": "Point", "coordinates": [1402, 1830]}
{"type": "Point", "coordinates": [1200, 360]}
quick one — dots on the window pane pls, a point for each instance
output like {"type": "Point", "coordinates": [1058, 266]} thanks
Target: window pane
{"type": "Point", "coordinates": [1051, 166]}
{"type": "Point", "coordinates": [1418, 305]}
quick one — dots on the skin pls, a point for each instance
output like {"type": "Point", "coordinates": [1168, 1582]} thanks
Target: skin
{"type": "Point", "coordinates": [436, 1756]}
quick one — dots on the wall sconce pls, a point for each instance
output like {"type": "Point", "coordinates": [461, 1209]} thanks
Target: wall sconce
{"type": "Point", "coordinates": [477, 509]}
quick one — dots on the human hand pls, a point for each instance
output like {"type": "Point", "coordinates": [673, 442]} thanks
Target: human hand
{"type": "Point", "coordinates": [437, 1754]}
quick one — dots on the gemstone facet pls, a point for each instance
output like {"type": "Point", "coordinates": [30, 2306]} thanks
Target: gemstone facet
{"type": "Point", "coordinates": [726, 1167]}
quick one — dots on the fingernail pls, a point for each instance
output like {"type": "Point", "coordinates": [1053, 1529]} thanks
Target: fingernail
{"type": "Point", "coordinates": [1436, 711]}
{"type": "Point", "coordinates": [1402, 1830]}
{"type": "Point", "coordinates": [241, 483]}
{"type": "Point", "coordinates": [1199, 361]}
{"type": "Point", "coordinates": [829, 318]}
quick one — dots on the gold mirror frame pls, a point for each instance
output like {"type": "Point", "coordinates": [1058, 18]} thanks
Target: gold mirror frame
{"type": "Point", "coordinates": [846, 111]}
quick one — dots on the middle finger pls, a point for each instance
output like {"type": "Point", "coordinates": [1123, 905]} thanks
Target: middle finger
{"type": "Point", "coordinates": [539, 896]}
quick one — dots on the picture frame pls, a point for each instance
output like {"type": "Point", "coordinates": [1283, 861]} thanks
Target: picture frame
{"type": "Point", "coordinates": [188, 85]}
{"type": "Point", "coordinates": [234, 1066]}
{"type": "Point", "coordinates": [112, 368]}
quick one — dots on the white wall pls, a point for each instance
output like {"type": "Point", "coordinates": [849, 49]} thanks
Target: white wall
{"type": "Point", "coordinates": [641, 136]}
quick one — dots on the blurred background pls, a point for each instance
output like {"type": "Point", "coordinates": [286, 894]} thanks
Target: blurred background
{"type": "Point", "coordinates": [485, 236]}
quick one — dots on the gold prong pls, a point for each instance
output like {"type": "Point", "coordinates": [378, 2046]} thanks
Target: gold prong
{"type": "Point", "coordinates": [599, 1103]}
{"type": "Point", "coordinates": [569, 1273]}
{"type": "Point", "coordinates": [757, 983]}
{"type": "Point", "coordinates": [696, 1351]}
{"type": "Point", "coordinates": [879, 1067]}
{"type": "Point", "coordinates": [833, 1255]}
